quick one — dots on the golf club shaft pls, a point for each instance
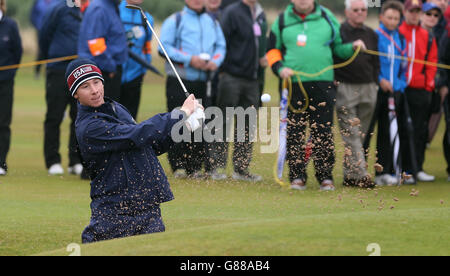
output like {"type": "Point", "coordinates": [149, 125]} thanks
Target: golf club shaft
{"type": "Point", "coordinates": [162, 47]}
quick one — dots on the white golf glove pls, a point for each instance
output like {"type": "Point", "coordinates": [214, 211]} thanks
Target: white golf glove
{"type": "Point", "coordinates": [195, 121]}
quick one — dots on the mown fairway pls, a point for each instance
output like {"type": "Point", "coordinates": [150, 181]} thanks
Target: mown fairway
{"type": "Point", "coordinates": [42, 215]}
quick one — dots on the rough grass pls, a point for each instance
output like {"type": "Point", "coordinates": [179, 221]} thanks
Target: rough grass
{"type": "Point", "coordinates": [42, 215]}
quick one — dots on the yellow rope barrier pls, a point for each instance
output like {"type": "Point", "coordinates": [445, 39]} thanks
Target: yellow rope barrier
{"type": "Point", "coordinates": [34, 63]}
{"type": "Point", "coordinates": [438, 65]}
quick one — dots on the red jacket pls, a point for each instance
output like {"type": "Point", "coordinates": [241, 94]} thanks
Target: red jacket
{"type": "Point", "coordinates": [420, 76]}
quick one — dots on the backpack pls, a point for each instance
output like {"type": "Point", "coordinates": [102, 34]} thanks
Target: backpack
{"type": "Point", "coordinates": [430, 43]}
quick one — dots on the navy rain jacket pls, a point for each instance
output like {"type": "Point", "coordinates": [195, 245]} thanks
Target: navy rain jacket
{"type": "Point", "coordinates": [102, 36]}
{"type": "Point", "coordinates": [121, 157]}
{"type": "Point", "coordinates": [10, 47]}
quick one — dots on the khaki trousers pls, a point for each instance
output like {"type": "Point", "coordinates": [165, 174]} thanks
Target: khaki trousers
{"type": "Point", "coordinates": [355, 106]}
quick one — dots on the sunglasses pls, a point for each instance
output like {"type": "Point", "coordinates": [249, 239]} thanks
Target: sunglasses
{"type": "Point", "coordinates": [436, 15]}
{"type": "Point", "coordinates": [359, 10]}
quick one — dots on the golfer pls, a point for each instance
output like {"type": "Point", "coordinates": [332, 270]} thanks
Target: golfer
{"type": "Point", "coordinates": [128, 183]}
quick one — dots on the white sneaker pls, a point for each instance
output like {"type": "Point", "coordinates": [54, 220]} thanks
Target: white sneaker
{"type": "Point", "coordinates": [424, 177]}
{"type": "Point", "coordinates": [409, 181]}
{"type": "Point", "coordinates": [76, 169]}
{"type": "Point", "coordinates": [2, 172]}
{"type": "Point", "coordinates": [379, 180]}
{"type": "Point", "coordinates": [246, 176]}
{"type": "Point", "coordinates": [391, 180]}
{"type": "Point", "coordinates": [298, 185]}
{"type": "Point", "coordinates": [56, 169]}
{"type": "Point", "coordinates": [218, 175]}
{"type": "Point", "coordinates": [327, 185]}
{"type": "Point", "coordinates": [386, 179]}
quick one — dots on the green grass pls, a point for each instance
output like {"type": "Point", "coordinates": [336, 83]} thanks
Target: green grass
{"type": "Point", "coordinates": [41, 215]}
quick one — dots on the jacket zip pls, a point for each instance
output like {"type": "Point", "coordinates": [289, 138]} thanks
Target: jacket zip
{"type": "Point", "coordinates": [412, 49]}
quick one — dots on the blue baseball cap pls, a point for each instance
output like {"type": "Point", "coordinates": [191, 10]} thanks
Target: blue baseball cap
{"type": "Point", "coordinates": [428, 6]}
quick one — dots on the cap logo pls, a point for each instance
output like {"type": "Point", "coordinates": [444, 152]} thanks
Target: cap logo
{"type": "Point", "coordinates": [82, 71]}
{"type": "Point", "coordinates": [82, 74]}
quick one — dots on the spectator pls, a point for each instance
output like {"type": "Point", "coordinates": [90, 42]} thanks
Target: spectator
{"type": "Point", "coordinates": [195, 42]}
{"type": "Point", "coordinates": [37, 13]}
{"type": "Point", "coordinates": [444, 82]}
{"type": "Point", "coordinates": [440, 29]}
{"type": "Point", "coordinates": [430, 18]}
{"type": "Point", "coordinates": [447, 14]}
{"type": "Point", "coordinates": [392, 82]}
{"type": "Point", "coordinates": [421, 84]}
{"type": "Point", "coordinates": [139, 41]}
{"type": "Point", "coordinates": [357, 93]}
{"type": "Point", "coordinates": [440, 32]}
{"type": "Point", "coordinates": [103, 39]}
{"type": "Point", "coordinates": [128, 183]}
{"type": "Point", "coordinates": [213, 8]}
{"type": "Point", "coordinates": [58, 37]}
{"type": "Point", "coordinates": [244, 25]}
{"type": "Point", "coordinates": [11, 49]}
{"type": "Point", "coordinates": [304, 38]}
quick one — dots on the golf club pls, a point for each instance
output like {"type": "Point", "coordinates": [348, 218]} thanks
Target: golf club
{"type": "Point", "coordinates": [198, 114]}
{"type": "Point", "coordinates": [134, 7]}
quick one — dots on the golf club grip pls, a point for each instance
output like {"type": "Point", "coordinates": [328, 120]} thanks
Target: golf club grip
{"type": "Point", "coordinates": [134, 7]}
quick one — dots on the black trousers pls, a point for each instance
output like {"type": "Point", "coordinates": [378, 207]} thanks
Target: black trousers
{"type": "Point", "coordinates": [130, 95]}
{"type": "Point", "coordinates": [113, 85]}
{"type": "Point", "coordinates": [446, 142]}
{"type": "Point", "coordinates": [384, 148]}
{"type": "Point", "coordinates": [188, 156]}
{"type": "Point", "coordinates": [419, 102]}
{"type": "Point", "coordinates": [6, 104]}
{"type": "Point", "coordinates": [58, 98]}
{"type": "Point", "coordinates": [319, 116]}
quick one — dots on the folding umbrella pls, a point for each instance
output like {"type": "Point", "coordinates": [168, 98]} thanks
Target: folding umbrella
{"type": "Point", "coordinates": [394, 136]}
{"type": "Point", "coordinates": [283, 133]}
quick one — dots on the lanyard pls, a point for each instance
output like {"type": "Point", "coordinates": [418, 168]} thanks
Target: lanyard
{"type": "Point", "coordinates": [392, 40]}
